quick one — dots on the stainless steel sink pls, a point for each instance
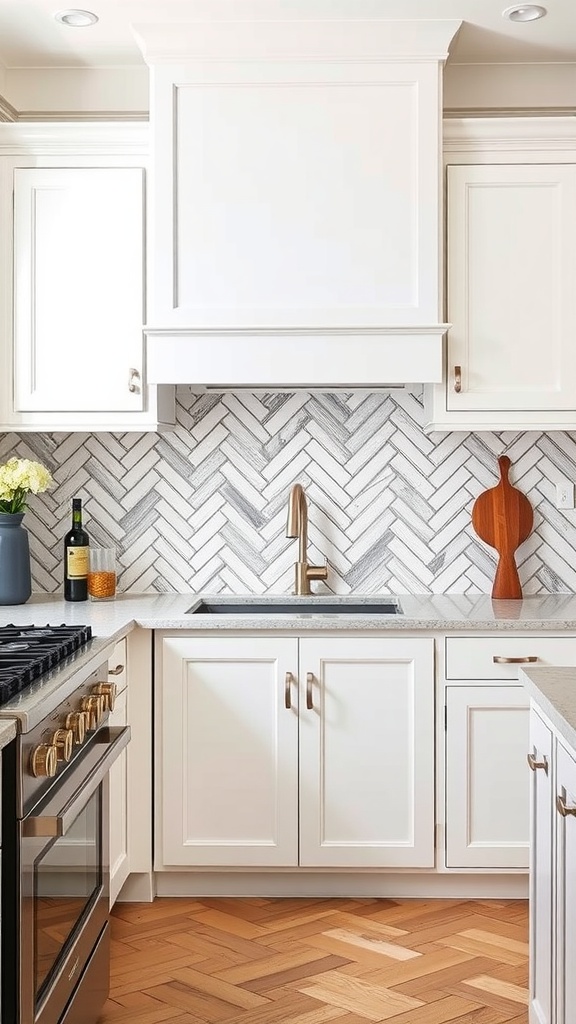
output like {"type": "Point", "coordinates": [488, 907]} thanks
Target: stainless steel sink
{"type": "Point", "coordinates": [311, 607]}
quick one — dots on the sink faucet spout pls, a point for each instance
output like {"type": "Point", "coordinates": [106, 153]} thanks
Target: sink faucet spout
{"type": "Point", "coordinates": [297, 526]}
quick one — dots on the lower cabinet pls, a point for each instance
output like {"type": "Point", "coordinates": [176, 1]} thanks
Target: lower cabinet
{"type": "Point", "coordinates": [487, 805]}
{"type": "Point", "coordinates": [487, 729]}
{"type": "Point", "coordinates": [552, 877]}
{"type": "Point", "coordinates": [118, 778]}
{"type": "Point", "coordinates": [284, 752]}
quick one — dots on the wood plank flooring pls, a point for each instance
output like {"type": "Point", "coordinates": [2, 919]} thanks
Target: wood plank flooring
{"type": "Point", "coordinates": [312, 961]}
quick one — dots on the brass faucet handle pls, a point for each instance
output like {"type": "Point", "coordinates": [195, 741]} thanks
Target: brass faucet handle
{"type": "Point", "coordinates": [317, 572]}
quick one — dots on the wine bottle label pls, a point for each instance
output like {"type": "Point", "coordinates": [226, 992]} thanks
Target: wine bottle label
{"type": "Point", "coordinates": [77, 563]}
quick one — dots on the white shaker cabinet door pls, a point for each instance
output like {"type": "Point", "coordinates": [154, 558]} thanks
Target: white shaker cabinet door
{"type": "Point", "coordinates": [366, 752]}
{"type": "Point", "coordinates": [511, 295]}
{"type": "Point", "coordinates": [78, 289]}
{"type": "Point", "coordinates": [565, 812]}
{"type": "Point", "coordinates": [118, 776]}
{"type": "Point", "coordinates": [487, 808]}
{"type": "Point", "coordinates": [227, 771]}
{"type": "Point", "coordinates": [542, 823]}
{"type": "Point", "coordinates": [119, 862]}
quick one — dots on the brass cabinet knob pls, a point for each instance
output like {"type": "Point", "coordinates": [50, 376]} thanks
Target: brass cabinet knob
{"type": "Point", "coordinates": [108, 693]}
{"type": "Point", "coordinates": [309, 683]}
{"type": "Point", "coordinates": [134, 381]}
{"type": "Point", "coordinates": [76, 722]}
{"type": "Point", "coordinates": [287, 692]}
{"type": "Point", "coordinates": [534, 764]}
{"type": "Point", "coordinates": [44, 761]}
{"type": "Point", "coordinates": [116, 671]}
{"type": "Point", "coordinates": [563, 808]}
{"type": "Point", "coordinates": [529, 659]}
{"type": "Point", "coordinates": [63, 740]}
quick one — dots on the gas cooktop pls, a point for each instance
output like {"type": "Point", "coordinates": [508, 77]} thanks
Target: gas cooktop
{"type": "Point", "coordinates": [26, 652]}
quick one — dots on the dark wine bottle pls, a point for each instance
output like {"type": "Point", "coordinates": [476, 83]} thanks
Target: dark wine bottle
{"type": "Point", "coordinates": [76, 544]}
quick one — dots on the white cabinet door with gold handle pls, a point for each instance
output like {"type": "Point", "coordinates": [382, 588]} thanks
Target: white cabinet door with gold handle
{"type": "Point", "coordinates": [118, 775]}
{"type": "Point", "coordinates": [78, 287]}
{"type": "Point", "coordinates": [542, 824]}
{"type": "Point", "coordinates": [487, 810]}
{"type": "Point", "coordinates": [286, 752]}
{"type": "Point", "coordinates": [227, 753]}
{"type": "Point", "coordinates": [366, 752]}
{"type": "Point", "coordinates": [565, 885]}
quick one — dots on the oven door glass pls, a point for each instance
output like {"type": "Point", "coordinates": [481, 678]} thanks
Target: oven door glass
{"type": "Point", "coordinates": [67, 880]}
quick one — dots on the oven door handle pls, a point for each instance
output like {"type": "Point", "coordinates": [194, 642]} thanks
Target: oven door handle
{"type": "Point", "coordinates": [49, 825]}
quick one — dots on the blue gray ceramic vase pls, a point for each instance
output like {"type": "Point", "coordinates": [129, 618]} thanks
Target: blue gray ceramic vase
{"type": "Point", "coordinates": [15, 581]}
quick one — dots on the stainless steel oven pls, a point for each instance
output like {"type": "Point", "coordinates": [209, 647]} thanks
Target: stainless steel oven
{"type": "Point", "coordinates": [55, 871]}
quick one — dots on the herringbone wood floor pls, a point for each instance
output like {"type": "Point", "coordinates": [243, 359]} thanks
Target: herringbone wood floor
{"type": "Point", "coordinates": [309, 961]}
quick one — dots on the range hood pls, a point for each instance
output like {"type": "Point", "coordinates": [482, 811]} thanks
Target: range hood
{"type": "Point", "coordinates": [296, 203]}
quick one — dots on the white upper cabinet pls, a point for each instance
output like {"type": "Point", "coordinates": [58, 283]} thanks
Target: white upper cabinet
{"type": "Point", "coordinates": [78, 284]}
{"type": "Point", "coordinates": [510, 296]}
{"type": "Point", "coordinates": [296, 211]}
{"type": "Point", "coordinates": [72, 273]}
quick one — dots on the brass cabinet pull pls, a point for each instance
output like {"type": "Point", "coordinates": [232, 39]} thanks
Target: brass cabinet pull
{"type": "Point", "coordinates": [116, 671]}
{"type": "Point", "coordinates": [563, 808]}
{"type": "Point", "coordinates": [287, 694]}
{"type": "Point", "coordinates": [457, 379]}
{"type": "Point", "coordinates": [534, 764]}
{"type": "Point", "coordinates": [309, 681]}
{"type": "Point", "coordinates": [499, 660]}
{"type": "Point", "coordinates": [133, 380]}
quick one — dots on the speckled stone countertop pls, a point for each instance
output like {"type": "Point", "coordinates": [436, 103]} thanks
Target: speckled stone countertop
{"type": "Point", "coordinates": [113, 619]}
{"type": "Point", "coordinates": [7, 732]}
{"type": "Point", "coordinates": [554, 691]}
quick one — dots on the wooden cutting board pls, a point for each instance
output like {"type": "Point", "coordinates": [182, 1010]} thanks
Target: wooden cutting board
{"type": "Point", "coordinates": [503, 518]}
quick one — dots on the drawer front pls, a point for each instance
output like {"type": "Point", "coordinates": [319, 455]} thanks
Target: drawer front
{"type": "Point", "coordinates": [473, 657]}
{"type": "Point", "coordinates": [117, 666]}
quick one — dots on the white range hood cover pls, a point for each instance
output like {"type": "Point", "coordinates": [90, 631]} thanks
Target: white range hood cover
{"type": "Point", "coordinates": [296, 211]}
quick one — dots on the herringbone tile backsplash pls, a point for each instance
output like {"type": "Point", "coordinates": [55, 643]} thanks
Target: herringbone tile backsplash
{"type": "Point", "coordinates": [204, 507]}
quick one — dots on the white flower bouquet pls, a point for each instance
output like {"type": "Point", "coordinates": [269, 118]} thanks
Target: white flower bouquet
{"type": "Point", "coordinates": [19, 477]}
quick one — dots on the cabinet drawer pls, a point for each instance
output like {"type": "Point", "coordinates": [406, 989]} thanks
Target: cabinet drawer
{"type": "Point", "coordinates": [472, 657]}
{"type": "Point", "coordinates": [117, 666]}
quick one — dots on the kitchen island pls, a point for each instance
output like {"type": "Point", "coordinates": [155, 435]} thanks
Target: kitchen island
{"type": "Point", "coordinates": [552, 758]}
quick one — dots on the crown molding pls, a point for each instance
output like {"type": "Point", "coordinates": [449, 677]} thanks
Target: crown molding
{"type": "Point", "coordinates": [7, 111]}
{"type": "Point", "coordinates": [75, 137]}
{"type": "Point", "coordinates": [512, 134]}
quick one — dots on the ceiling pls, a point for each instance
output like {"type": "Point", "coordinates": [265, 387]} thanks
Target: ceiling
{"type": "Point", "coordinates": [30, 37]}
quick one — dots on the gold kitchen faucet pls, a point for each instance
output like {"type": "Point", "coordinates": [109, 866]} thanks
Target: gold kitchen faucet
{"type": "Point", "coordinates": [297, 526]}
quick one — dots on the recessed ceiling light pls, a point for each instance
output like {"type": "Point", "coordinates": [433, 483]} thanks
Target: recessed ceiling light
{"type": "Point", "coordinates": [76, 19]}
{"type": "Point", "coordinates": [524, 12]}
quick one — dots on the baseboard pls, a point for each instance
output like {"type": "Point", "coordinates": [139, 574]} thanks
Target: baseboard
{"type": "Point", "coordinates": [360, 885]}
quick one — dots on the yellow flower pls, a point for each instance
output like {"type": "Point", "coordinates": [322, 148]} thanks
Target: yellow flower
{"type": "Point", "coordinates": [17, 478]}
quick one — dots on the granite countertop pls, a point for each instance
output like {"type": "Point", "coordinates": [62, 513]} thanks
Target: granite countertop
{"type": "Point", "coordinates": [112, 619]}
{"type": "Point", "coordinates": [554, 691]}
{"type": "Point", "coordinates": [7, 732]}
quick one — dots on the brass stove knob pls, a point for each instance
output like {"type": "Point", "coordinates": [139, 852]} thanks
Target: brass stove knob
{"type": "Point", "coordinates": [108, 692]}
{"type": "Point", "coordinates": [44, 761]}
{"type": "Point", "coordinates": [63, 740]}
{"type": "Point", "coordinates": [76, 722]}
{"type": "Point", "coordinates": [94, 706]}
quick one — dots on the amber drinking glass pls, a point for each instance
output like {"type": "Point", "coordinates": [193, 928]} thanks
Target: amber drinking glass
{"type": "Point", "coordinates": [102, 574]}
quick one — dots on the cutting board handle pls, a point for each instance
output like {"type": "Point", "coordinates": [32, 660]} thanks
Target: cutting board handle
{"type": "Point", "coordinates": [504, 463]}
{"type": "Point", "coordinates": [506, 581]}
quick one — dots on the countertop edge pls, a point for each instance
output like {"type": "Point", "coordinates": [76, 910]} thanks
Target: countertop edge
{"type": "Point", "coordinates": [553, 690]}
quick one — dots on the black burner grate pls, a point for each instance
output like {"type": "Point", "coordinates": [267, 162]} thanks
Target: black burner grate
{"type": "Point", "coordinates": [27, 652]}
